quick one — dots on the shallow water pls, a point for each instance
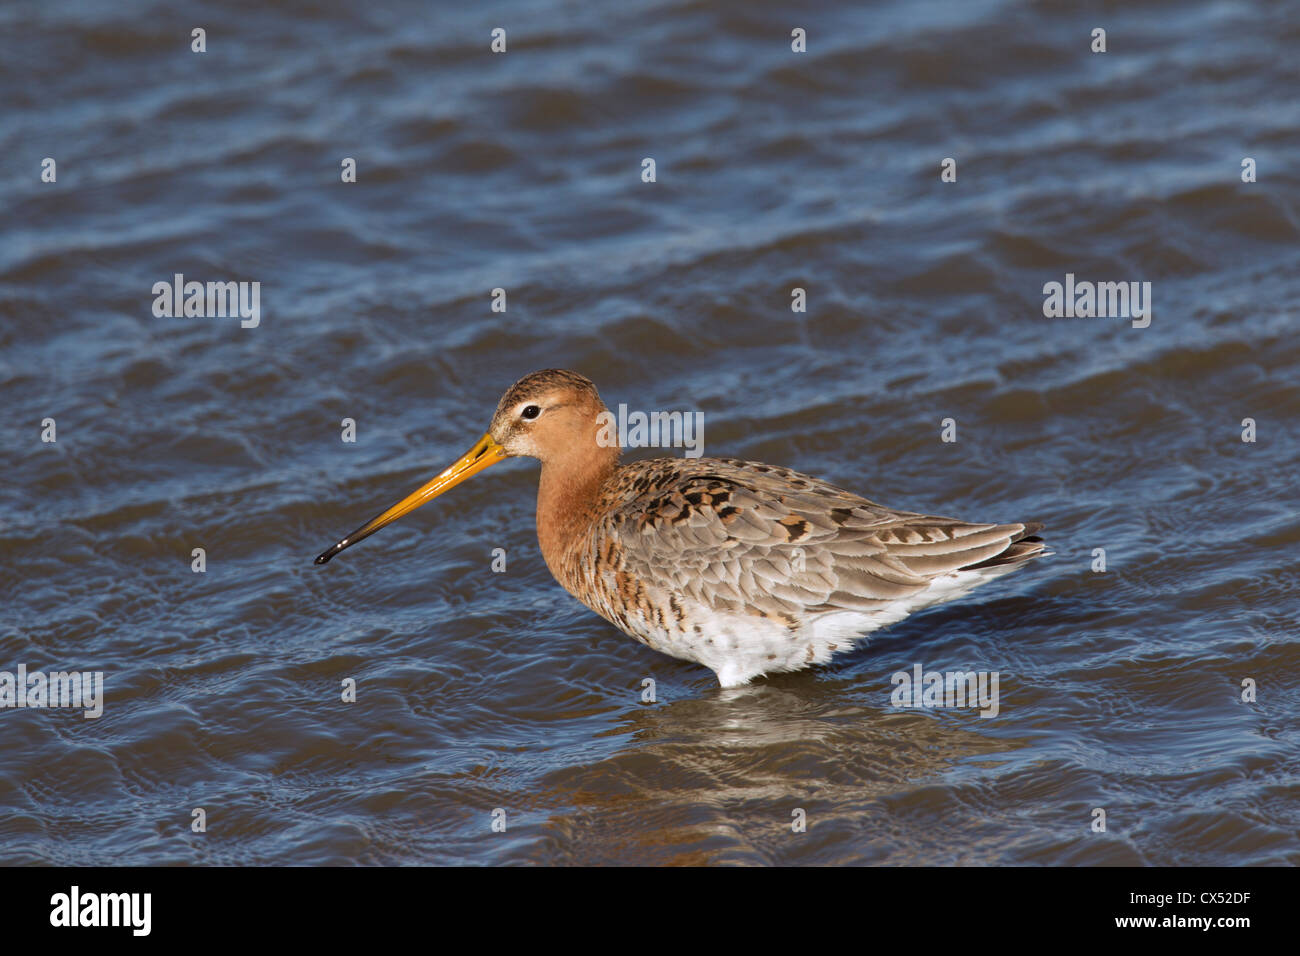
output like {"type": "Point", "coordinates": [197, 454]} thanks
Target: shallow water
{"type": "Point", "coordinates": [479, 690]}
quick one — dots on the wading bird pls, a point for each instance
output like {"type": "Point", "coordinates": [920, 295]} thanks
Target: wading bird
{"type": "Point", "coordinates": [745, 568]}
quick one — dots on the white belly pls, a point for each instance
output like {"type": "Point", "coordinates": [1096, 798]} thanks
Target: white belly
{"type": "Point", "coordinates": [740, 647]}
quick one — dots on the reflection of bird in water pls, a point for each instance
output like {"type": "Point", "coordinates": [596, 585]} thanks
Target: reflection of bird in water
{"type": "Point", "coordinates": [748, 569]}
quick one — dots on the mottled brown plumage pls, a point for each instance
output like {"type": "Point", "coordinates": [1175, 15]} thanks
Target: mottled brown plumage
{"type": "Point", "coordinates": [744, 567]}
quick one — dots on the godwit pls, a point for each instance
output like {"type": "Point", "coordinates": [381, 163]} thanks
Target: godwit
{"type": "Point", "coordinates": [745, 568]}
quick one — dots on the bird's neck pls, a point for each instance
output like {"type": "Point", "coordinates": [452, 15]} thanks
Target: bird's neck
{"type": "Point", "coordinates": [568, 498]}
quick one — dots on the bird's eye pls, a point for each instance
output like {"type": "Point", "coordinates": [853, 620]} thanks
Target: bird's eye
{"type": "Point", "coordinates": [530, 412]}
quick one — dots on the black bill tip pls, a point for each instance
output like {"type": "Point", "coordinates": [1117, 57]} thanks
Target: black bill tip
{"type": "Point", "coordinates": [324, 556]}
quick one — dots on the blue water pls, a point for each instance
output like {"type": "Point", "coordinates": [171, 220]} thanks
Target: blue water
{"type": "Point", "coordinates": [480, 691]}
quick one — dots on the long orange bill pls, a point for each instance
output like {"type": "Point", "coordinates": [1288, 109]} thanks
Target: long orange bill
{"type": "Point", "coordinates": [485, 453]}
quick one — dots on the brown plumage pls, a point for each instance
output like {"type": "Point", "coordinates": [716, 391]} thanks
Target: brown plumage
{"type": "Point", "coordinates": [744, 567]}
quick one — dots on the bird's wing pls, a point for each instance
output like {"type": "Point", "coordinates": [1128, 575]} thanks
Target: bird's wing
{"type": "Point", "coordinates": [751, 538]}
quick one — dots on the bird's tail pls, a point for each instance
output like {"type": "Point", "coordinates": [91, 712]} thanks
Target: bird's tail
{"type": "Point", "coordinates": [1023, 546]}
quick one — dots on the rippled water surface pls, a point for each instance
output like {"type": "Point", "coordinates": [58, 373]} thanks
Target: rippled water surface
{"type": "Point", "coordinates": [478, 690]}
